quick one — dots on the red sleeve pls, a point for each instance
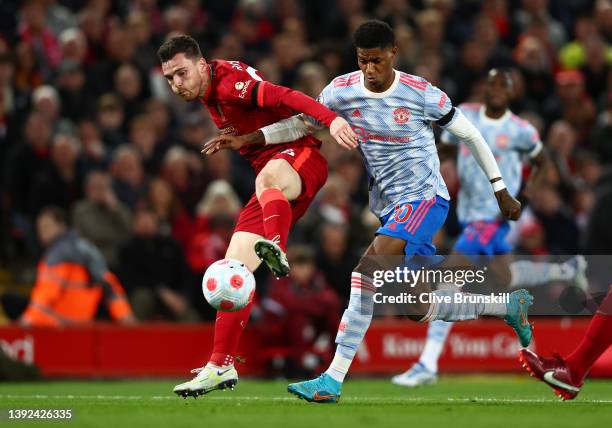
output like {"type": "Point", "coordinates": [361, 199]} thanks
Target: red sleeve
{"type": "Point", "coordinates": [271, 95]}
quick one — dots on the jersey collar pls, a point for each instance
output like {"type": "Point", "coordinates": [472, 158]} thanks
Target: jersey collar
{"type": "Point", "coordinates": [486, 119]}
{"type": "Point", "coordinates": [389, 91]}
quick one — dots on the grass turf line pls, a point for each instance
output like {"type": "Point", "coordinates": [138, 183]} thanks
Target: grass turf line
{"type": "Point", "coordinates": [475, 401]}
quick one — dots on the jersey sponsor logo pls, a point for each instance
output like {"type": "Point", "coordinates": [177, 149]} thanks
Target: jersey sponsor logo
{"type": "Point", "coordinates": [363, 136]}
{"type": "Point", "coordinates": [356, 113]}
{"type": "Point", "coordinates": [289, 152]}
{"type": "Point", "coordinates": [401, 115]}
{"type": "Point", "coordinates": [244, 86]}
{"type": "Point", "coordinates": [502, 141]}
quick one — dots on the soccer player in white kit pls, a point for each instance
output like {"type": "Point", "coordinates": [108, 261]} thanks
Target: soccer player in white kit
{"type": "Point", "coordinates": [392, 113]}
{"type": "Point", "coordinates": [511, 139]}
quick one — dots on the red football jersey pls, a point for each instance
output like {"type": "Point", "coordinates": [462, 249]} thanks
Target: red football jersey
{"type": "Point", "coordinates": [237, 108]}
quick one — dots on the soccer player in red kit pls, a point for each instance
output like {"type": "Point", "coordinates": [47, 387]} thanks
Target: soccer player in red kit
{"type": "Point", "coordinates": [565, 375]}
{"type": "Point", "coordinates": [288, 175]}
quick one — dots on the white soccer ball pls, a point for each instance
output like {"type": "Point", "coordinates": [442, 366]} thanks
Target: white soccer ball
{"type": "Point", "coordinates": [228, 285]}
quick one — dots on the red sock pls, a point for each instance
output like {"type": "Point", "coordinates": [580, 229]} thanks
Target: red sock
{"type": "Point", "coordinates": [597, 339]}
{"type": "Point", "coordinates": [228, 329]}
{"type": "Point", "coordinates": [276, 216]}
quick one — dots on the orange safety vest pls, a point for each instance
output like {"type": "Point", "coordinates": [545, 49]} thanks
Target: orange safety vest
{"type": "Point", "coordinates": [72, 280]}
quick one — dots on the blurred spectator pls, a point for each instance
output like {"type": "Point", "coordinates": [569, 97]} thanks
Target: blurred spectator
{"type": "Point", "coordinates": [72, 279]}
{"type": "Point", "coordinates": [60, 183]}
{"type": "Point", "coordinates": [598, 237]}
{"type": "Point", "coordinates": [300, 309]}
{"type": "Point", "coordinates": [46, 101]}
{"type": "Point", "coordinates": [571, 102]}
{"type": "Point", "coordinates": [602, 133]}
{"type": "Point", "coordinates": [110, 119]}
{"type": "Point", "coordinates": [73, 92]}
{"type": "Point", "coordinates": [74, 46]}
{"type": "Point", "coordinates": [184, 177]}
{"type": "Point", "coordinates": [101, 218]}
{"type": "Point", "coordinates": [154, 271]}
{"type": "Point", "coordinates": [33, 30]}
{"type": "Point", "coordinates": [144, 139]}
{"type": "Point", "coordinates": [534, 11]}
{"type": "Point", "coordinates": [559, 224]}
{"type": "Point", "coordinates": [216, 215]}
{"type": "Point", "coordinates": [596, 67]}
{"type": "Point", "coordinates": [24, 158]}
{"type": "Point", "coordinates": [129, 181]}
{"type": "Point", "coordinates": [128, 86]}
{"type": "Point", "coordinates": [335, 257]}
{"type": "Point", "coordinates": [94, 154]}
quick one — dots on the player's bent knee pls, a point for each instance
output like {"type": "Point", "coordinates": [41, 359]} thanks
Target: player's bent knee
{"type": "Point", "coordinates": [242, 248]}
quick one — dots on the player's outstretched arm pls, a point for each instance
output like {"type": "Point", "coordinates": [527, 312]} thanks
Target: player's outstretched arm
{"type": "Point", "coordinates": [270, 95]}
{"type": "Point", "coordinates": [463, 129]}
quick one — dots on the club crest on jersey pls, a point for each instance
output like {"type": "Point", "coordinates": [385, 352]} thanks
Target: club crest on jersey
{"type": "Point", "coordinates": [242, 87]}
{"type": "Point", "coordinates": [401, 115]}
{"type": "Point", "coordinates": [502, 141]}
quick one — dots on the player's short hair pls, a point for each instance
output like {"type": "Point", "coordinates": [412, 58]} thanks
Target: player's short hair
{"type": "Point", "coordinates": [57, 214]}
{"type": "Point", "coordinates": [506, 73]}
{"type": "Point", "coordinates": [179, 44]}
{"type": "Point", "coordinates": [374, 34]}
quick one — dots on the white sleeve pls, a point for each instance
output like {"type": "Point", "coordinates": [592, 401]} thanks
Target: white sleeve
{"type": "Point", "coordinates": [286, 130]}
{"type": "Point", "coordinates": [463, 129]}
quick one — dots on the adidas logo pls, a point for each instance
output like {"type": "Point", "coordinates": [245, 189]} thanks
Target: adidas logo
{"type": "Point", "coordinates": [356, 113]}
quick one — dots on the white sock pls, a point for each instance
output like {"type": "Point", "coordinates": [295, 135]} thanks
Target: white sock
{"type": "Point", "coordinates": [530, 274]}
{"type": "Point", "coordinates": [353, 326]}
{"type": "Point", "coordinates": [462, 311]}
{"type": "Point", "coordinates": [339, 367]}
{"type": "Point", "coordinates": [437, 332]}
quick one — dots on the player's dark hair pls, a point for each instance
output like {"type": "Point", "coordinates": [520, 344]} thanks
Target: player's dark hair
{"type": "Point", "coordinates": [179, 44]}
{"type": "Point", "coordinates": [56, 213]}
{"type": "Point", "coordinates": [504, 72]}
{"type": "Point", "coordinates": [374, 34]}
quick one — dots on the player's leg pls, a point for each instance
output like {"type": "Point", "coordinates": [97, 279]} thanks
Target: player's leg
{"type": "Point", "coordinates": [276, 185]}
{"type": "Point", "coordinates": [525, 273]}
{"type": "Point", "coordinates": [425, 370]}
{"type": "Point", "coordinates": [384, 253]}
{"type": "Point", "coordinates": [219, 372]}
{"type": "Point", "coordinates": [353, 325]}
{"type": "Point", "coordinates": [567, 374]}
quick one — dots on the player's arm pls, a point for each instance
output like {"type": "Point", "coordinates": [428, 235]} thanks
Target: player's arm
{"type": "Point", "coordinates": [540, 162]}
{"type": "Point", "coordinates": [458, 125]}
{"type": "Point", "coordinates": [269, 95]}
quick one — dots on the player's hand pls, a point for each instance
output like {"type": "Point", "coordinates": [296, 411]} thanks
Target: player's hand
{"type": "Point", "coordinates": [508, 205]}
{"type": "Point", "coordinates": [343, 134]}
{"type": "Point", "coordinates": [222, 142]}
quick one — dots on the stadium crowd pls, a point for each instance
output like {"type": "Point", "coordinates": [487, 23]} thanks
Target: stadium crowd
{"type": "Point", "coordinates": [89, 125]}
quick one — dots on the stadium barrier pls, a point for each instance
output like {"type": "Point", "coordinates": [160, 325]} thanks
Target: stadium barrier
{"type": "Point", "coordinates": [164, 349]}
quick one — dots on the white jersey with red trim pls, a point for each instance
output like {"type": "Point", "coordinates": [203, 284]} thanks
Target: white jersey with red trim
{"type": "Point", "coordinates": [511, 139]}
{"type": "Point", "coordinates": [396, 136]}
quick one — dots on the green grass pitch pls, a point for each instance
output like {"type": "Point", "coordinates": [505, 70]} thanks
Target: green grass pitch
{"type": "Point", "coordinates": [455, 402]}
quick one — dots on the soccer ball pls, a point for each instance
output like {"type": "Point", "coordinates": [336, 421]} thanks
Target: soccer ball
{"type": "Point", "coordinates": [228, 285]}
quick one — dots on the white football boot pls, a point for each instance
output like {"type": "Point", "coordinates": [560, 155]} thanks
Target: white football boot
{"type": "Point", "coordinates": [208, 378]}
{"type": "Point", "coordinates": [418, 375]}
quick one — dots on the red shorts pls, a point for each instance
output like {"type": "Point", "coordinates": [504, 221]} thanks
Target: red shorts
{"type": "Point", "coordinates": [312, 168]}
